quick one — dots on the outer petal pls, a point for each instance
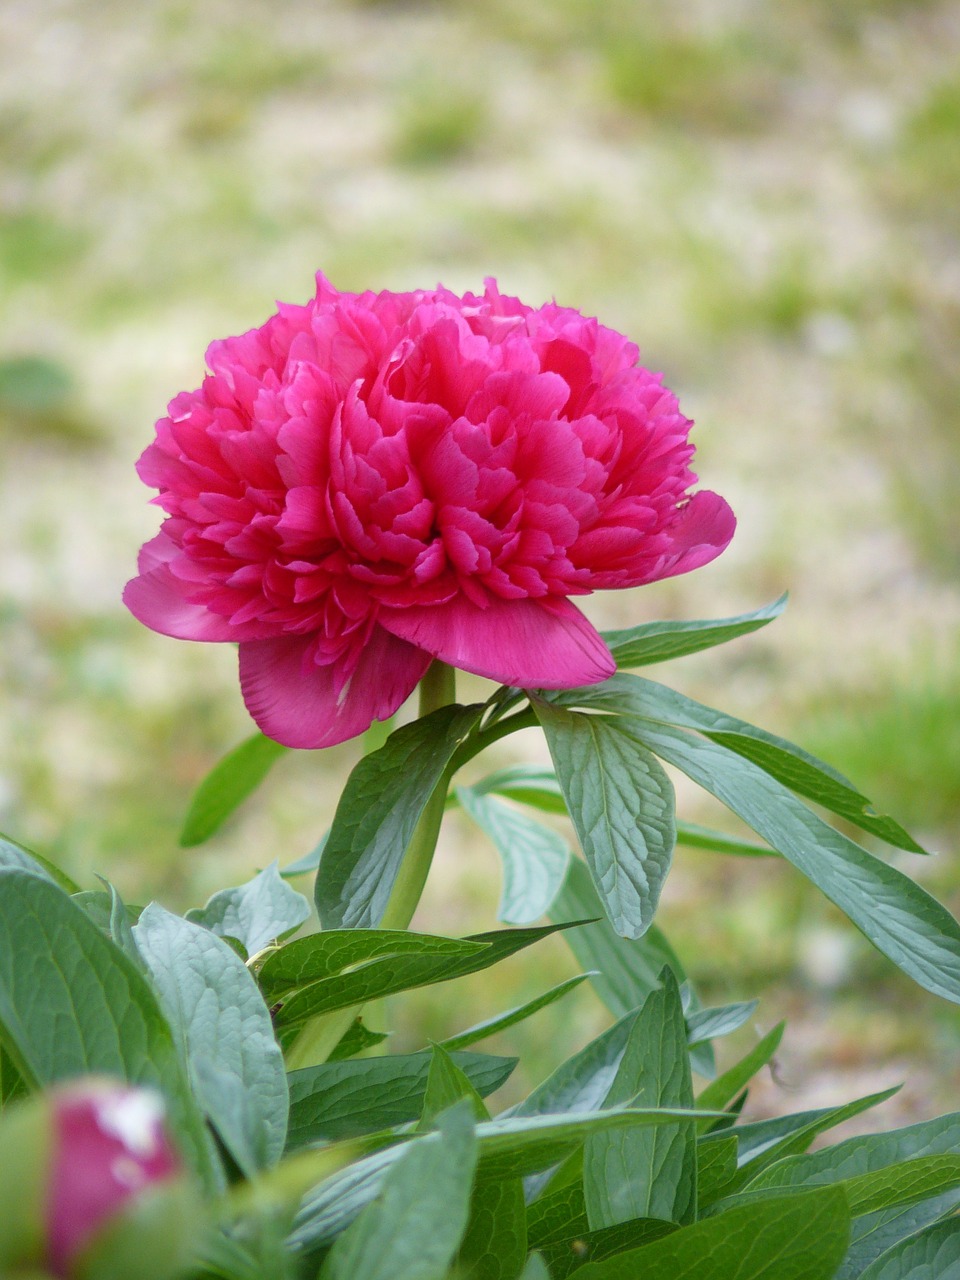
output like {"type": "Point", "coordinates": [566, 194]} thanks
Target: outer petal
{"type": "Point", "coordinates": [536, 644]}
{"type": "Point", "coordinates": [702, 530]}
{"type": "Point", "coordinates": [158, 599]}
{"type": "Point", "coordinates": [298, 703]}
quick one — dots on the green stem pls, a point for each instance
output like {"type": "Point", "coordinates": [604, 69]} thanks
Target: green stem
{"type": "Point", "coordinates": [321, 1035]}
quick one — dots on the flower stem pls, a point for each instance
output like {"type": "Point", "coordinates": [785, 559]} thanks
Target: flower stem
{"type": "Point", "coordinates": [322, 1034]}
{"type": "Point", "coordinates": [438, 688]}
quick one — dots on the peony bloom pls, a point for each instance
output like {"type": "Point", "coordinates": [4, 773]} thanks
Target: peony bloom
{"type": "Point", "coordinates": [371, 481]}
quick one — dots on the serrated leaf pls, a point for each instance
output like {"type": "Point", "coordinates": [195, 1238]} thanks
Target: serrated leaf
{"type": "Point", "coordinates": [255, 913]}
{"type": "Point", "coordinates": [14, 855]}
{"type": "Point", "coordinates": [647, 1173]}
{"type": "Point", "coordinates": [797, 1237]}
{"type": "Point", "coordinates": [412, 1230]}
{"type": "Point", "coordinates": [493, 1026]}
{"type": "Point", "coordinates": [534, 857]}
{"type": "Point", "coordinates": [789, 764]}
{"type": "Point", "coordinates": [378, 813]}
{"type": "Point", "coordinates": [390, 974]}
{"type": "Point", "coordinates": [71, 1003]}
{"type": "Point", "coordinates": [930, 1254]}
{"type": "Point", "coordinates": [659, 641]}
{"type": "Point", "coordinates": [621, 805]}
{"type": "Point", "coordinates": [902, 920]}
{"type": "Point", "coordinates": [338, 1100]}
{"type": "Point", "coordinates": [227, 785]}
{"type": "Point", "coordinates": [218, 1014]}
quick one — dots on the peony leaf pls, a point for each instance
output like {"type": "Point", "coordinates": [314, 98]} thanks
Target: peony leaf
{"type": "Point", "coordinates": [15, 855]}
{"type": "Point", "coordinates": [535, 858]}
{"type": "Point", "coordinates": [900, 919]}
{"type": "Point", "coordinates": [72, 1003]}
{"type": "Point", "coordinates": [378, 812]}
{"type": "Point", "coordinates": [347, 1099]}
{"type": "Point", "coordinates": [721, 1091]}
{"type": "Point", "coordinates": [659, 641]}
{"type": "Point", "coordinates": [225, 1032]}
{"type": "Point", "coordinates": [227, 785]}
{"type": "Point", "coordinates": [622, 807]}
{"type": "Point", "coordinates": [930, 1254]}
{"type": "Point", "coordinates": [255, 913]}
{"type": "Point", "coordinates": [500, 1022]}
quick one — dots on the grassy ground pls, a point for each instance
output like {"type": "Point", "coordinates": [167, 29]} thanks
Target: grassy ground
{"type": "Point", "coordinates": [764, 196]}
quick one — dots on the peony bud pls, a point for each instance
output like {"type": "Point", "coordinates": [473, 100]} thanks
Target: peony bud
{"type": "Point", "coordinates": [101, 1172]}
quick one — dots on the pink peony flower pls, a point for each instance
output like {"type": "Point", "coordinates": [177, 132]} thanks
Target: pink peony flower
{"type": "Point", "coordinates": [371, 481]}
{"type": "Point", "coordinates": [109, 1146]}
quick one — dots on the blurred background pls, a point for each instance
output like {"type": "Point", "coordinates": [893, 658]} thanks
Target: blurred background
{"type": "Point", "coordinates": [763, 196]}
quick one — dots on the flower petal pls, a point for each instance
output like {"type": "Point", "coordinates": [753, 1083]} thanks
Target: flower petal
{"type": "Point", "coordinates": [303, 705]}
{"type": "Point", "coordinates": [536, 644]}
{"type": "Point", "coordinates": [701, 531]}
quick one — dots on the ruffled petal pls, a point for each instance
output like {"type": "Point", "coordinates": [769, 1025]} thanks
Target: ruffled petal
{"type": "Point", "coordinates": [701, 531]}
{"type": "Point", "coordinates": [536, 644]}
{"type": "Point", "coordinates": [301, 704]}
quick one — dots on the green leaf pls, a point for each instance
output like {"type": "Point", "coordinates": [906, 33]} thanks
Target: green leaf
{"type": "Point", "coordinates": [622, 808]}
{"type": "Point", "coordinates": [378, 812]}
{"type": "Point", "coordinates": [535, 859]}
{"type": "Point", "coordinates": [355, 1040]}
{"type": "Point", "coordinates": [493, 1026]}
{"type": "Point", "coordinates": [326, 954]}
{"type": "Point", "coordinates": [227, 785]}
{"type": "Point", "coordinates": [902, 1184]}
{"type": "Point", "coordinates": [216, 1011]}
{"type": "Point", "coordinates": [624, 969]}
{"type": "Point", "coordinates": [647, 1173]}
{"type": "Point", "coordinates": [566, 1256]}
{"type": "Point", "coordinates": [412, 1230]}
{"type": "Point", "coordinates": [558, 1216]}
{"type": "Point", "coordinates": [582, 1082]}
{"type": "Point", "coordinates": [659, 641]}
{"type": "Point", "coordinates": [902, 920]}
{"type": "Point", "coordinates": [255, 913]}
{"type": "Point", "coordinates": [15, 855]}
{"type": "Point", "coordinates": [71, 1003]}
{"type": "Point", "coordinates": [495, 1242]}
{"type": "Point", "coordinates": [930, 1254]}
{"type": "Point", "coordinates": [536, 1269]}
{"type": "Point", "coordinates": [697, 837]}
{"type": "Point", "coordinates": [798, 1237]}
{"type": "Point", "coordinates": [711, 1024]}
{"type": "Point", "coordinates": [338, 1100]}
{"type": "Point", "coordinates": [789, 764]}
{"type": "Point", "coordinates": [390, 974]}
{"type": "Point", "coordinates": [309, 863]}
{"type": "Point", "coordinates": [529, 784]}
{"type": "Point", "coordinates": [875, 1233]}
{"type": "Point", "coordinates": [716, 1169]}
{"type": "Point", "coordinates": [446, 1085]}
{"type": "Point", "coordinates": [718, 1093]}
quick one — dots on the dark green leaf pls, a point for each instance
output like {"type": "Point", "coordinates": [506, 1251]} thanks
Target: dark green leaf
{"type": "Point", "coordinates": [255, 913]}
{"type": "Point", "coordinates": [378, 812]}
{"type": "Point", "coordinates": [495, 1243]}
{"type": "Point", "coordinates": [582, 1082]}
{"type": "Point", "coordinates": [529, 784]}
{"type": "Point", "coordinates": [447, 1084]}
{"type": "Point", "coordinates": [534, 858]}
{"type": "Point", "coordinates": [875, 1233]}
{"type": "Point", "coordinates": [900, 919]}
{"type": "Point", "coordinates": [15, 855]}
{"type": "Point", "coordinates": [348, 1099]}
{"type": "Point", "coordinates": [71, 1003]}
{"type": "Point", "coordinates": [355, 1040]}
{"type": "Point", "coordinates": [214, 1007]}
{"type": "Point", "coordinates": [931, 1254]}
{"type": "Point", "coordinates": [716, 1169]}
{"type": "Point", "coordinates": [557, 1216]}
{"type": "Point", "coordinates": [492, 1026]}
{"type": "Point", "coordinates": [227, 785]}
{"type": "Point", "coordinates": [622, 807]}
{"type": "Point", "coordinates": [797, 1237]}
{"type": "Point", "coordinates": [789, 764]}
{"type": "Point", "coordinates": [647, 1173]}
{"type": "Point", "coordinates": [659, 641]}
{"type": "Point", "coordinates": [566, 1256]}
{"type": "Point", "coordinates": [718, 1093]}
{"type": "Point", "coordinates": [412, 1230]}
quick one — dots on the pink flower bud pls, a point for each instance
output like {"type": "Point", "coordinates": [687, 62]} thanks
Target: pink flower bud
{"type": "Point", "coordinates": [109, 1147]}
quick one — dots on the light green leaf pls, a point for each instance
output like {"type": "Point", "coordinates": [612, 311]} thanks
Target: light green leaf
{"type": "Point", "coordinates": [720, 1092]}
{"type": "Point", "coordinates": [711, 1024]}
{"type": "Point", "coordinates": [412, 1230]}
{"type": "Point", "coordinates": [529, 784]}
{"type": "Point", "coordinates": [310, 861]}
{"type": "Point", "coordinates": [535, 1269]}
{"type": "Point", "coordinates": [647, 1173]}
{"type": "Point", "coordinates": [622, 807]}
{"type": "Point", "coordinates": [492, 1026]}
{"type": "Point", "coordinates": [71, 1003]}
{"type": "Point", "coordinates": [227, 785]}
{"type": "Point", "coordinates": [535, 859]}
{"type": "Point", "coordinates": [347, 1099]}
{"type": "Point", "coordinates": [446, 1086]}
{"type": "Point", "coordinates": [875, 1233]}
{"type": "Point", "coordinates": [255, 913]}
{"type": "Point", "coordinates": [224, 1028]}
{"type": "Point", "coordinates": [13, 854]}
{"type": "Point", "coordinates": [798, 1237]}
{"type": "Point", "coordinates": [378, 812]}
{"type": "Point", "coordinates": [930, 1254]}
{"type": "Point", "coordinates": [583, 1081]}
{"type": "Point", "coordinates": [659, 641]}
{"type": "Point", "coordinates": [697, 837]}
{"type": "Point", "coordinates": [902, 920]}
